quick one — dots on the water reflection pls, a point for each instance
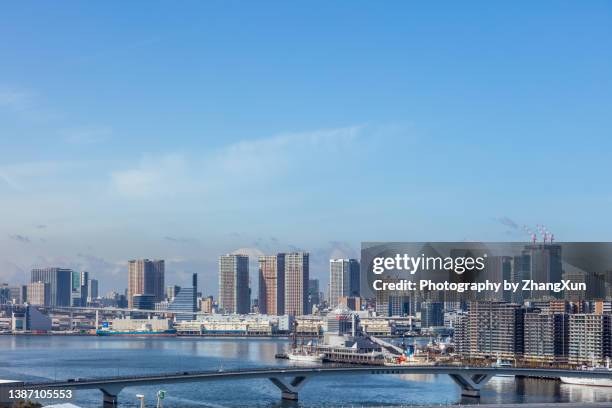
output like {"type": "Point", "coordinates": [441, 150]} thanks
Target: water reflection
{"type": "Point", "coordinates": [37, 358]}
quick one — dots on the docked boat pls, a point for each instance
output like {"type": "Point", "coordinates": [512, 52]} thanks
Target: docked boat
{"type": "Point", "coordinates": [307, 356]}
{"type": "Point", "coordinates": [596, 382]}
{"type": "Point", "coordinates": [137, 327]}
{"type": "Point", "coordinates": [137, 333]}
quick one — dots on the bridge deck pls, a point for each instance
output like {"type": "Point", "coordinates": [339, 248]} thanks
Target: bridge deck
{"type": "Point", "coordinates": [280, 371]}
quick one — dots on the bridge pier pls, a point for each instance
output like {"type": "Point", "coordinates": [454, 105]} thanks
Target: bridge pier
{"type": "Point", "coordinates": [471, 384]}
{"type": "Point", "coordinates": [289, 389]}
{"type": "Point", "coordinates": [110, 396]}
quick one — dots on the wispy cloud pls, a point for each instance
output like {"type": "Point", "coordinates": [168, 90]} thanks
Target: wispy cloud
{"type": "Point", "coordinates": [245, 162]}
{"type": "Point", "coordinates": [153, 176]}
{"type": "Point", "coordinates": [16, 100]}
{"type": "Point", "coordinates": [29, 175]}
{"type": "Point", "coordinates": [86, 135]}
{"type": "Point", "coordinates": [25, 104]}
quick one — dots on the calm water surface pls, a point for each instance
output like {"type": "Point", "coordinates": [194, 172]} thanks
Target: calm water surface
{"type": "Point", "coordinates": [46, 357]}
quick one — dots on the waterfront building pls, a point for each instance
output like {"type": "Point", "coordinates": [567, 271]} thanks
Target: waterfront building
{"type": "Point", "coordinates": [344, 279]}
{"type": "Point", "coordinates": [309, 325]}
{"type": "Point", "coordinates": [493, 329]}
{"type": "Point", "coordinates": [546, 337]}
{"type": "Point", "coordinates": [129, 324]}
{"type": "Point", "coordinates": [184, 305]}
{"type": "Point", "coordinates": [377, 326]}
{"type": "Point", "coordinates": [432, 314]}
{"type": "Point", "coordinates": [296, 283]}
{"type": "Point", "coordinates": [272, 284]}
{"type": "Point", "coordinates": [146, 277]}
{"type": "Point", "coordinates": [234, 325]}
{"type": "Point", "coordinates": [590, 338]}
{"type": "Point", "coordinates": [30, 319]}
{"type": "Point", "coordinates": [234, 293]}
{"type": "Point", "coordinates": [39, 293]}
{"type": "Point", "coordinates": [59, 281]}
{"type": "Point", "coordinates": [341, 321]}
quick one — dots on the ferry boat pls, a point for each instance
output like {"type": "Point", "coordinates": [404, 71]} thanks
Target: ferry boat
{"type": "Point", "coordinates": [140, 333]}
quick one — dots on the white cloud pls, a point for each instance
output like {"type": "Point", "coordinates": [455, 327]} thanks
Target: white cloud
{"type": "Point", "coordinates": [152, 176]}
{"type": "Point", "coordinates": [246, 162]}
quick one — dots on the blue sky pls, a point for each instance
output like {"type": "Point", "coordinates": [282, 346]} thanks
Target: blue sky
{"type": "Point", "coordinates": [188, 130]}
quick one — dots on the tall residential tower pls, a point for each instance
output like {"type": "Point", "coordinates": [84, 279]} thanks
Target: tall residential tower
{"type": "Point", "coordinates": [234, 295]}
{"type": "Point", "coordinates": [272, 284]}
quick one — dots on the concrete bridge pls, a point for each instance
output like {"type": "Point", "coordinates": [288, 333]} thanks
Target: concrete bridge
{"type": "Point", "coordinates": [291, 379]}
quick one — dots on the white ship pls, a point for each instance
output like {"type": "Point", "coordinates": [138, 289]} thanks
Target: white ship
{"type": "Point", "coordinates": [302, 355]}
{"type": "Point", "coordinates": [598, 382]}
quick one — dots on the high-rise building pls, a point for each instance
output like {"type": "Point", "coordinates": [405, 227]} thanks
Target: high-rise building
{"type": "Point", "coordinates": [184, 304]}
{"type": "Point", "coordinates": [159, 280]}
{"type": "Point", "coordinates": [59, 281]}
{"type": "Point", "coordinates": [296, 283]}
{"type": "Point", "coordinates": [92, 290]}
{"type": "Point", "coordinates": [494, 329]}
{"type": "Point", "coordinates": [5, 294]}
{"type": "Point", "coordinates": [272, 284]}
{"type": "Point", "coordinates": [343, 279]}
{"type": "Point", "coordinates": [234, 293]}
{"type": "Point", "coordinates": [546, 337]}
{"type": "Point", "coordinates": [39, 293]}
{"type": "Point", "coordinates": [146, 277]}
{"type": "Point", "coordinates": [16, 294]}
{"type": "Point", "coordinates": [79, 288]}
{"type": "Point", "coordinates": [542, 263]}
{"type": "Point", "coordinates": [590, 338]}
{"type": "Point", "coordinates": [432, 314]}
{"type": "Point", "coordinates": [314, 297]}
